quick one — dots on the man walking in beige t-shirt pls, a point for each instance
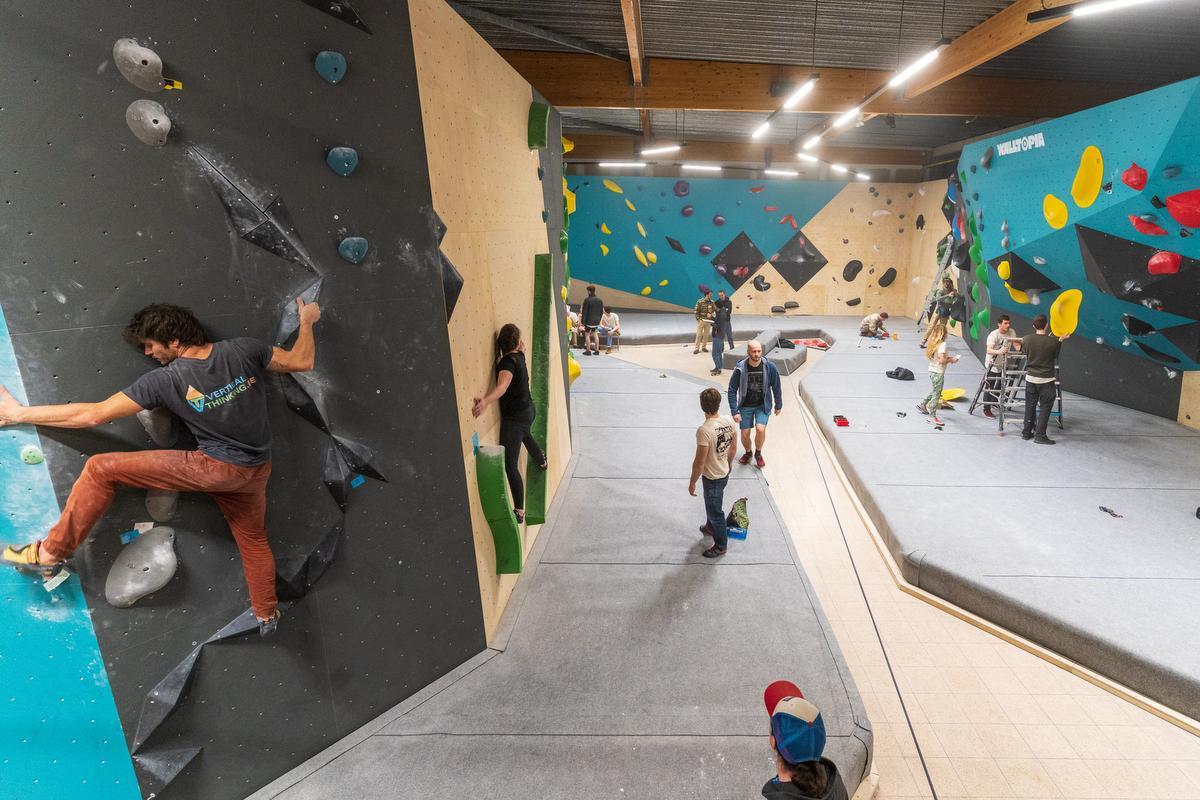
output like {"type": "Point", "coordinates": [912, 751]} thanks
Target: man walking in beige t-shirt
{"type": "Point", "coordinates": [716, 445]}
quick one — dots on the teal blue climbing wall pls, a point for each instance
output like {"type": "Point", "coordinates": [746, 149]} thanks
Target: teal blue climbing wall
{"type": "Point", "coordinates": [59, 731]}
{"type": "Point", "coordinates": [684, 225]}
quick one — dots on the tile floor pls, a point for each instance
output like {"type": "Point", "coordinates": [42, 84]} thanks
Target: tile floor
{"type": "Point", "coordinates": [956, 711]}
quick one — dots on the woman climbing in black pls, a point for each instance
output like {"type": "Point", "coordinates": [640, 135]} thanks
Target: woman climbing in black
{"type": "Point", "coordinates": [516, 411]}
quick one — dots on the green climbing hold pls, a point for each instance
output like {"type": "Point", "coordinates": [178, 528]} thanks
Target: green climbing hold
{"type": "Point", "coordinates": [497, 510]}
{"type": "Point", "coordinates": [975, 292]}
{"type": "Point", "coordinates": [32, 454]}
{"type": "Point", "coordinates": [562, 240]}
{"type": "Point", "coordinates": [539, 125]}
{"type": "Point", "coordinates": [984, 318]}
{"type": "Point", "coordinates": [539, 384]}
{"type": "Point", "coordinates": [974, 330]}
{"type": "Point", "coordinates": [981, 272]}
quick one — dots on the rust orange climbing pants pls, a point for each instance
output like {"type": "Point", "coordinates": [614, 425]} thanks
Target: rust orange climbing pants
{"type": "Point", "coordinates": [240, 493]}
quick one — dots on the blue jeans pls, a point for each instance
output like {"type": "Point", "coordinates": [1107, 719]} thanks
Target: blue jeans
{"type": "Point", "coordinates": [718, 348]}
{"type": "Point", "coordinates": [714, 501]}
{"type": "Point", "coordinates": [607, 332]}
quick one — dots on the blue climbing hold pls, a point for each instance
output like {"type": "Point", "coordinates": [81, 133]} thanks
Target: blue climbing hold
{"type": "Point", "coordinates": [353, 249]}
{"type": "Point", "coordinates": [342, 160]}
{"type": "Point", "coordinates": [330, 65]}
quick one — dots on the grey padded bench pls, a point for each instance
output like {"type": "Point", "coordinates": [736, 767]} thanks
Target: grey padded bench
{"type": "Point", "coordinates": [786, 360]}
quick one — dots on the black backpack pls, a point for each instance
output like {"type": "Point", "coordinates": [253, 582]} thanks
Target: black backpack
{"type": "Point", "coordinates": [901, 374]}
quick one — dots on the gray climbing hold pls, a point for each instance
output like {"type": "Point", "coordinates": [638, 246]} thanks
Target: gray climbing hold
{"type": "Point", "coordinates": [161, 504]}
{"type": "Point", "coordinates": [1171, 172]}
{"type": "Point", "coordinates": [144, 566]}
{"type": "Point", "coordinates": [353, 249]}
{"type": "Point", "coordinates": [342, 160]}
{"type": "Point", "coordinates": [330, 65]}
{"type": "Point", "coordinates": [160, 425]}
{"type": "Point", "coordinates": [141, 66]}
{"type": "Point", "coordinates": [1004, 226]}
{"type": "Point", "coordinates": [149, 122]}
{"type": "Point", "coordinates": [985, 160]}
{"type": "Point", "coordinates": [1004, 242]}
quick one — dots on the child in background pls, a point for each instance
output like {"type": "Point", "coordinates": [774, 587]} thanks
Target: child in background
{"type": "Point", "coordinates": [935, 351]}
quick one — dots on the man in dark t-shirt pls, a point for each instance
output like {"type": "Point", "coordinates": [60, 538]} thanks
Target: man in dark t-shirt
{"type": "Point", "coordinates": [754, 390]}
{"type": "Point", "coordinates": [217, 390]}
{"type": "Point", "coordinates": [591, 311]}
{"type": "Point", "coordinates": [1041, 379]}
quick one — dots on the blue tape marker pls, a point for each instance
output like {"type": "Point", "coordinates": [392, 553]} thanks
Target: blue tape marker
{"type": "Point", "coordinates": [475, 442]}
{"type": "Point", "coordinates": [358, 481]}
{"type": "Point", "coordinates": [129, 536]}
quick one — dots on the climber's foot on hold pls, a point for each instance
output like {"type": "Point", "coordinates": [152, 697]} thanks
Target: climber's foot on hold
{"type": "Point", "coordinates": [266, 627]}
{"type": "Point", "coordinates": [26, 559]}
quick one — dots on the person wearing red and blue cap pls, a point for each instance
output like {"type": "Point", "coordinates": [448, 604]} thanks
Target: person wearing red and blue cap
{"type": "Point", "coordinates": [798, 740]}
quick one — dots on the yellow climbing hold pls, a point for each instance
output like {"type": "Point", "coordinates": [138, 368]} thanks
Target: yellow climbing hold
{"type": "Point", "coordinates": [1064, 313]}
{"type": "Point", "coordinates": [1004, 270]}
{"type": "Point", "coordinates": [603, 249]}
{"type": "Point", "coordinates": [1088, 178]}
{"type": "Point", "coordinates": [645, 291]}
{"type": "Point", "coordinates": [630, 204]}
{"type": "Point", "coordinates": [651, 257]}
{"type": "Point", "coordinates": [1055, 211]}
{"type": "Point", "coordinates": [567, 145]}
{"type": "Point", "coordinates": [953, 394]}
{"type": "Point", "coordinates": [564, 297]}
{"type": "Point", "coordinates": [662, 282]}
{"type": "Point", "coordinates": [1017, 294]}
{"type": "Point", "coordinates": [641, 230]}
{"type": "Point", "coordinates": [613, 187]}
{"type": "Point", "coordinates": [637, 251]}
{"type": "Point", "coordinates": [604, 228]}
{"type": "Point", "coordinates": [567, 193]}
{"type": "Point", "coordinates": [573, 370]}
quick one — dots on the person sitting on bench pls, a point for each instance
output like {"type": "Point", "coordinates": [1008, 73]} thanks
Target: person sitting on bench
{"type": "Point", "coordinates": [872, 326]}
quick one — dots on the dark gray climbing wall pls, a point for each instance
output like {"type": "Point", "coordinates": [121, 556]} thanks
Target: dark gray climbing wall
{"type": "Point", "coordinates": [550, 162]}
{"type": "Point", "coordinates": [95, 224]}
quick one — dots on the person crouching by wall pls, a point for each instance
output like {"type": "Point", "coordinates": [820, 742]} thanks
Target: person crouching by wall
{"type": "Point", "coordinates": [798, 742]}
{"type": "Point", "coordinates": [872, 326]}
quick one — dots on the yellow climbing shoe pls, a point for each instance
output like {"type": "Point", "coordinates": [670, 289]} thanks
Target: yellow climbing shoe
{"type": "Point", "coordinates": [25, 559]}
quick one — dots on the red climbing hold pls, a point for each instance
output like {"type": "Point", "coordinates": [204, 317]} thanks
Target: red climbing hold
{"type": "Point", "coordinates": [1146, 227]}
{"type": "Point", "coordinates": [1164, 262]}
{"type": "Point", "coordinates": [1134, 177]}
{"type": "Point", "coordinates": [756, 189]}
{"type": "Point", "coordinates": [770, 208]}
{"type": "Point", "coordinates": [791, 220]}
{"type": "Point", "coordinates": [1185, 208]}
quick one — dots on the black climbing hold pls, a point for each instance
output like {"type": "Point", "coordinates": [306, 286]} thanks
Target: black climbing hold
{"type": "Point", "coordinates": [738, 260]}
{"type": "Point", "coordinates": [161, 700]}
{"type": "Point", "coordinates": [290, 321]}
{"type": "Point", "coordinates": [920, 222]}
{"type": "Point", "coordinates": [340, 9]}
{"type": "Point", "coordinates": [358, 456]}
{"type": "Point", "coordinates": [1157, 355]}
{"type": "Point", "coordinates": [777, 309]}
{"type": "Point", "coordinates": [760, 283]}
{"type": "Point", "coordinates": [791, 304]}
{"type": "Point", "coordinates": [973, 169]}
{"type": "Point", "coordinates": [330, 65]}
{"type": "Point", "coordinates": [851, 270]}
{"type": "Point", "coordinates": [295, 576]}
{"type": "Point", "coordinates": [337, 475]}
{"type": "Point", "coordinates": [1135, 326]}
{"type": "Point", "coordinates": [974, 195]}
{"type": "Point", "coordinates": [156, 770]}
{"type": "Point", "coordinates": [541, 173]}
{"type": "Point", "coordinates": [1107, 187]}
{"type": "Point", "coordinates": [301, 394]}
{"type": "Point", "coordinates": [1148, 217]}
{"type": "Point", "coordinates": [1157, 203]}
{"type": "Point", "coordinates": [871, 189]}
{"type": "Point", "coordinates": [985, 160]}
{"type": "Point", "coordinates": [854, 302]}
{"type": "Point", "coordinates": [887, 277]}
{"type": "Point", "coordinates": [452, 283]}
{"type": "Point", "coordinates": [1184, 232]}
{"type": "Point", "coordinates": [439, 227]}
{"type": "Point", "coordinates": [798, 261]}
{"type": "Point", "coordinates": [1171, 172]}
{"type": "Point", "coordinates": [545, 215]}
{"type": "Point", "coordinates": [676, 245]}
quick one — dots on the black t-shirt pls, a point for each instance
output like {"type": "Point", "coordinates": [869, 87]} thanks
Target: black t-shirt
{"type": "Point", "coordinates": [221, 399]}
{"type": "Point", "coordinates": [754, 385]}
{"type": "Point", "coordinates": [515, 403]}
{"type": "Point", "coordinates": [592, 311]}
{"type": "Point", "coordinates": [1042, 350]}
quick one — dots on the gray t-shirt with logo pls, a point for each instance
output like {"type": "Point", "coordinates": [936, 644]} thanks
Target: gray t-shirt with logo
{"type": "Point", "coordinates": [222, 399]}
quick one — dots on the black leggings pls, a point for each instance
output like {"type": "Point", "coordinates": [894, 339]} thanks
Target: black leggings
{"type": "Point", "coordinates": [513, 433]}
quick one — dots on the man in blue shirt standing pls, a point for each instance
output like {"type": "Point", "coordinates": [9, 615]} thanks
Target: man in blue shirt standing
{"type": "Point", "coordinates": [754, 390]}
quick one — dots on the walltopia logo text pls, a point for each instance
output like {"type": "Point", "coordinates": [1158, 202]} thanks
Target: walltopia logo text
{"type": "Point", "coordinates": [1020, 144]}
{"type": "Point", "coordinates": [218, 397]}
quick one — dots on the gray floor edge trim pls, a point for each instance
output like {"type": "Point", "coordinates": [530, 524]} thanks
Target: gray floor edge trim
{"type": "Point", "coordinates": [347, 743]}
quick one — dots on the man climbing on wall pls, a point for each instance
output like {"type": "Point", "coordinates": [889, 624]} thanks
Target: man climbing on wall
{"type": "Point", "coordinates": [1041, 350]}
{"type": "Point", "coordinates": [754, 388]}
{"type": "Point", "coordinates": [705, 310]}
{"type": "Point", "coordinates": [872, 326]}
{"type": "Point", "coordinates": [217, 390]}
{"type": "Point", "coordinates": [592, 311]}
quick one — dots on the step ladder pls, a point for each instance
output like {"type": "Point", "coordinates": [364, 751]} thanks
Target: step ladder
{"type": "Point", "coordinates": [1003, 387]}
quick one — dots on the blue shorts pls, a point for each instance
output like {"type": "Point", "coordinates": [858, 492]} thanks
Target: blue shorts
{"type": "Point", "coordinates": [754, 416]}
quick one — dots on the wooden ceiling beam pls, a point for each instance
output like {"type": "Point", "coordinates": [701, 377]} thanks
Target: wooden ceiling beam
{"type": "Point", "coordinates": [997, 34]}
{"type": "Point", "coordinates": [631, 13]}
{"type": "Point", "coordinates": [599, 147]}
{"type": "Point", "coordinates": [579, 80]}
